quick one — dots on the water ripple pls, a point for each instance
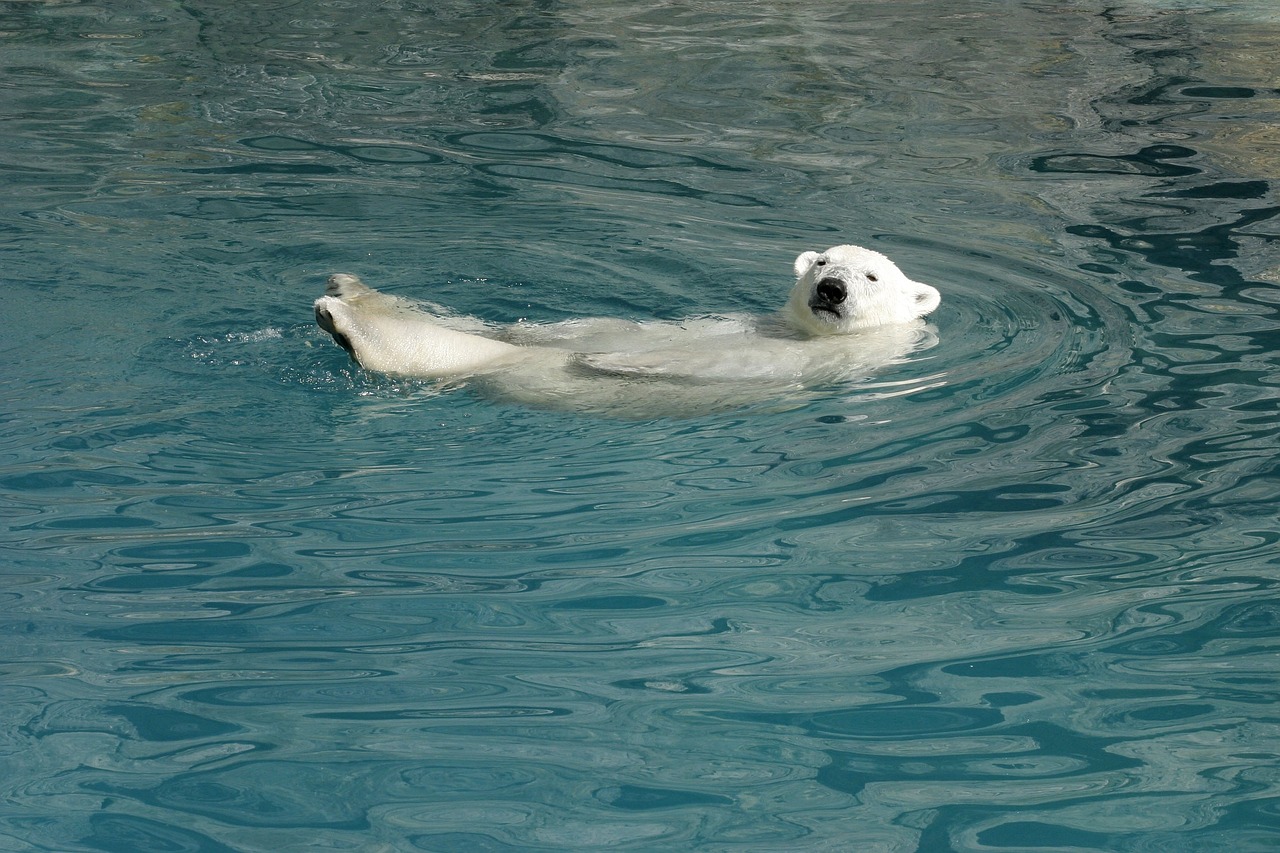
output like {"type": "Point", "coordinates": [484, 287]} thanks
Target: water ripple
{"type": "Point", "coordinates": [1017, 591]}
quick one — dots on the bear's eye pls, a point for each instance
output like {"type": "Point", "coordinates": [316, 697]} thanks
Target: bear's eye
{"type": "Point", "coordinates": [820, 262]}
{"type": "Point", "coordinates": [872, 277]}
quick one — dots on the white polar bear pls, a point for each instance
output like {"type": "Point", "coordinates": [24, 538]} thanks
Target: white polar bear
{"type": "Point", "coordinates": [851, 311]}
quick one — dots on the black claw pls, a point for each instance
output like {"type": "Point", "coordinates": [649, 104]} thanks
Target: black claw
{"type": "Point", "coordinates": [325, 321]}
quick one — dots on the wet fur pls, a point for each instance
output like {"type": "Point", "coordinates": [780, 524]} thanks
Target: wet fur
{"type": "Point", "coordinates": [850, 311]}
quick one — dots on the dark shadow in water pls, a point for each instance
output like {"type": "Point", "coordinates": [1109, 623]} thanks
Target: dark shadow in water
{"type": "Point", "coordinates": [1148, 161]}
{"type": "Point", "coordinates": [1193, 252]}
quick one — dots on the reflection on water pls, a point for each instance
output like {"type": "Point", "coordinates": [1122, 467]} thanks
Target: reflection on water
{"type": "Point", "coordinates": [1018, 592]}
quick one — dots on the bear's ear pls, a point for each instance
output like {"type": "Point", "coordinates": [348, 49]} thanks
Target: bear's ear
{"type": "Point", "coordinates": [805, 261]}
{"type": "Point", "coordinates": [926, 298]}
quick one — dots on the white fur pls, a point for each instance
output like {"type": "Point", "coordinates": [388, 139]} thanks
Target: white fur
{"type": "Point", "coordinates": [395, 336]}
{"type": "Point", "coordinates": [877, 292]}
{"type": "Point", "coordinates": [593, 363]}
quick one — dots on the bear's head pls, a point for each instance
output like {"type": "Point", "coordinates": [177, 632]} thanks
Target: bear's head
{"type": "Point", "coordinates": [847, 288]}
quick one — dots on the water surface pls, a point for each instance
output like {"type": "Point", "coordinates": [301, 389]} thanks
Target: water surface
{"type": "Point", "coordinates": [1017, 592]}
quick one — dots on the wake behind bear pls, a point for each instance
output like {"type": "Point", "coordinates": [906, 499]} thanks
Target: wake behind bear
{"type": "Point", "coordinates": [850, 312]}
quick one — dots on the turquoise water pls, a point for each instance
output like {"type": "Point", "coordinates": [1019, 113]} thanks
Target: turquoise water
{"type": "Point", "coordinates": [1018, 592]}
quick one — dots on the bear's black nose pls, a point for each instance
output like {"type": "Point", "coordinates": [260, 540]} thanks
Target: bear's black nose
{"type": "Point", "coordinates": [831, 291]}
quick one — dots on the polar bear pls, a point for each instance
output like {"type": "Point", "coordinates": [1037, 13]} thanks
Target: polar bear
{"type": "Point", "coordinates": [850, 311]}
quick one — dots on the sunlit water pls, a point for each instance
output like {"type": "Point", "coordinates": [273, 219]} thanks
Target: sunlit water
{"type": "Point", "coordinates": [1017, 592]}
